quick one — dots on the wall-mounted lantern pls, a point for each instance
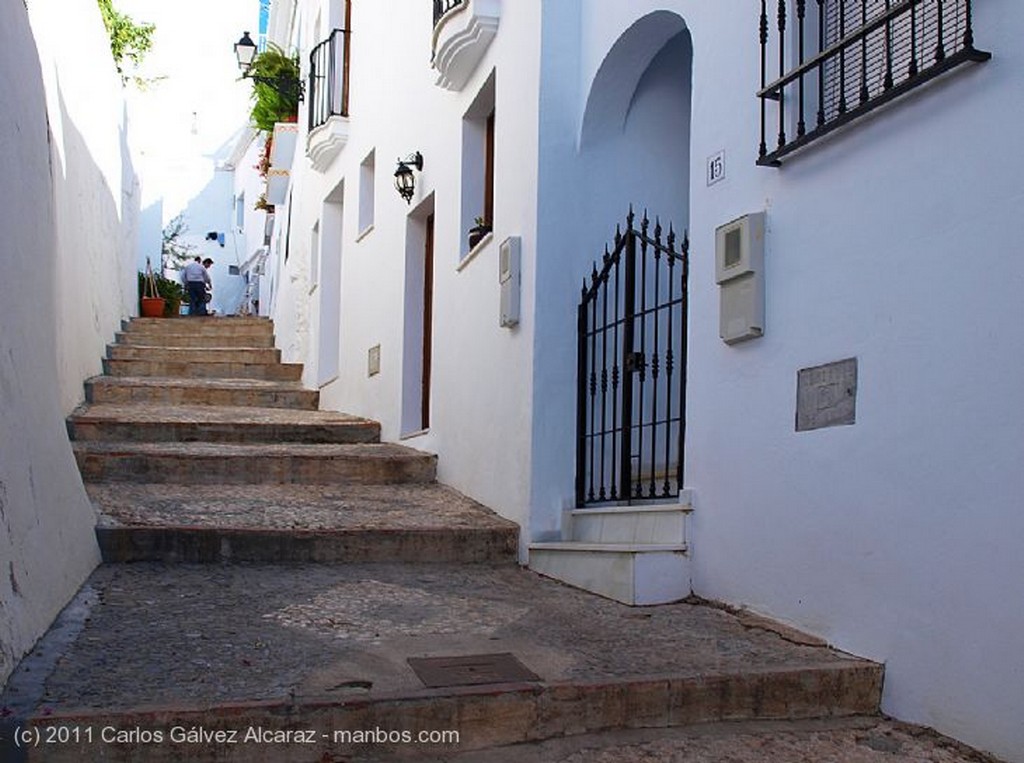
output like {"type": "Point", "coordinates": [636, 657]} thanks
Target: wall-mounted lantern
{"type": "Point", "coordinates": [405, 181]}
{"type": "Point", "coordinates": [245, 52]}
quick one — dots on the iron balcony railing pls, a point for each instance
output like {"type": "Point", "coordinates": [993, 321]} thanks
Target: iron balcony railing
{"type": "Point", "coordinates": [328, 78]}
{"type": "Point", "coordinates": [441, 7]}
{"type": "Point", "coordinates": [851, 56]}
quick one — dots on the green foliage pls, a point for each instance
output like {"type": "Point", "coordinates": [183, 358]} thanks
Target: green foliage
{"type": "Point", "coordinates": [173, 253]}
{"type": "Point", "coordinates": [270, 105]}
{"type": "Point", "coordinates": [129, 41]}
{"type": "Point", "coordinates": [170, 290]}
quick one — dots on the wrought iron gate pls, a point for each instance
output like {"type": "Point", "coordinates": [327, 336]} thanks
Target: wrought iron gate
{"type": "Point", "coordinates": [631, 373]}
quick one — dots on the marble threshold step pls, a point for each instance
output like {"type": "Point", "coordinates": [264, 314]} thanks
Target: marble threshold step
{"type": "Point", "coordinates": [203, 463]}
{"type": "Point", "coordinates": [298, 523]}
{"type": "Point", "coordinates": [207, 423]}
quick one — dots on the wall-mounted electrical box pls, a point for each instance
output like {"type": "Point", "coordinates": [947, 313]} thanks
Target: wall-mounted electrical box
{"type": "Point", "coordinates": [509, 259]}
{"type": "Point", "coordinates": [739, 273]}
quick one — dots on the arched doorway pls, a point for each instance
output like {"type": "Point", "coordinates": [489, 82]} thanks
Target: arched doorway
{"type": "Point", "coordinates": [634, 148]}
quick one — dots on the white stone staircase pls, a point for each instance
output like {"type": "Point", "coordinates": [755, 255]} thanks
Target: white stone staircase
{"type": "Point", "coordinates": [634, 554]}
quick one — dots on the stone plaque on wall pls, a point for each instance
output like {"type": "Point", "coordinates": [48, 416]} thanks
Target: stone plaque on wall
{"type": "Point", "coordinates": [826, 396]}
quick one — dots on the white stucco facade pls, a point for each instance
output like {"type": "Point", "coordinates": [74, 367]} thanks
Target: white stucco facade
{"type": "Point", "coordinates": [891, 242]}
{"type": "Point", "coordinates": [69, 218]}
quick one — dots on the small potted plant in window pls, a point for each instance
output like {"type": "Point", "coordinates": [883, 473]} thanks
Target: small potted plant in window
{"type": "Point", "coordinates": [478, 231]}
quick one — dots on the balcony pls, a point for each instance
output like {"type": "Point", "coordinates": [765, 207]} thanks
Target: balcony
{"type": "Point", "coordinates": [463, 30]}
{"type": "Point", "coordinates": [852, 56]}
{"type": "Point", "coordinates": [328, 99]}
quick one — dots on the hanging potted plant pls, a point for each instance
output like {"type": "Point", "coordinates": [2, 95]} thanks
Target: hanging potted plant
{"type": "Point", "coordinates": [276, 95]}
{"type": "Point", "coordinates": [478, 231]}
{"type": "Point", "coordinates": [151, 303]}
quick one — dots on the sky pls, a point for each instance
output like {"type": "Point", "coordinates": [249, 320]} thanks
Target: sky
{"type": "Point", "coordinates": [186, 120]}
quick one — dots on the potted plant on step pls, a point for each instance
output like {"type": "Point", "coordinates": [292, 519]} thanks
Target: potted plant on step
{"type": "Point", "coordinates": [151, 304]}
{"type": "Point", "coordinates": [169, 295]}
{"type": "Point", "coordinates": [478, 231]}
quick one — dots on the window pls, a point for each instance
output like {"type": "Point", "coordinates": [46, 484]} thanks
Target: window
{"type": "Point", "coordinates": [847, 58]}
{"type": "Point", "coordinates": [366, 192]}
{"type": "Point", "coordinates": [240, 211]}
{"type": "Point", "coordinates": [478, 166]}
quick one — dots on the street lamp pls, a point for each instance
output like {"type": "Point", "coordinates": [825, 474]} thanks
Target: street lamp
{"type": "Point", "coordinates": [245, 52]}
{"type": "Point", "coordinates": [405, 181]}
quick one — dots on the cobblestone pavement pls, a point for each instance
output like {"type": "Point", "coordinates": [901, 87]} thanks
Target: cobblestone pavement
{"type": "Point", "coordinates": [859, 740]}
{"type": "Point", "coordinates": [152, 634]}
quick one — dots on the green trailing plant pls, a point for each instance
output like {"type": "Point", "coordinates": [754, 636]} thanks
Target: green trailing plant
{"type": "Point", "coordinates": [129, 40]}
{"type": "Point", "coordinates": [277, 102]}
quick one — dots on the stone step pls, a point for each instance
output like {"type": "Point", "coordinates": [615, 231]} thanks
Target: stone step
{"type": "Point", "coordinates": [246, 355]}
{"type": "Point", "coordinates": [298, 523]}
{"type": "Point", "coordinates": [653, 524]}
{"type": "Point", "coordinates": [199, 463]}
{"type": "Point", "coordinates": [258, 650]}
{"type": "Point", "coordinates": [161, 327]}
{"type": "Point", "coordinates": [637, 574]}
{"type": "Point", "coordinates": [190, 324]}
{"type": "Point", "coordinates": [138, 338]}
{"type": "Point", "coordinates": [136, 422]}
{"type": "Point", "coordinates": [851, 739]}
{"type": "Point", "coordinates": [203, 369]}
{"type": "Point", "coordinates": [178, 391]}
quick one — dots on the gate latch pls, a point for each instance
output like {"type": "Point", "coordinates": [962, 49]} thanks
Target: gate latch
{"type": "Point", "coordinates": [634, 362]}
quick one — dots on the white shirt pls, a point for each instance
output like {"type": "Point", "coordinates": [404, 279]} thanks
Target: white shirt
{"type": "Point", "coordinates": [194, 271]}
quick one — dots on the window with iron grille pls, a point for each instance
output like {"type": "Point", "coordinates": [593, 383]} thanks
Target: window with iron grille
{"type": "Point", "coordinates": [837, 60]}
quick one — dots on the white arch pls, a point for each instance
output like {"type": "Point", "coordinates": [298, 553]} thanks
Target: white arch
{"type": "Point", "coordinates": [616, 80]}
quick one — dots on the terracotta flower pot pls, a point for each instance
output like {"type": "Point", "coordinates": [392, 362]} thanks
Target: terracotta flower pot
{"type": "Point", "coordinates": [153, 307]}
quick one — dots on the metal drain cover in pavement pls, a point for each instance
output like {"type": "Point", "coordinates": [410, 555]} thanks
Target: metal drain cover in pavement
{"type": "Point", "coordinates": [437, 672]}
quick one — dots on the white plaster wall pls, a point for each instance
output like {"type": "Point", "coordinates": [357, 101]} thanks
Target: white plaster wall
{"type": "Point", "coordinates": [480, 421]}
{"type": "Point", "coordinates": [68, 219]}
{"type": "Point", "coordinates": [633, 151]}
{"type": "Point", "coordinates": [248, 182]}
{"type": "Point", "coordinates": [888, 537]}
{"type": "Point", "coordinates": [96, 190]}
{"type": "Point", "coordinates": [892, 538]}
{"type": "Point", "coordinates": [211, 210]}
{"type": "Point", "coordinates": [895, 243]}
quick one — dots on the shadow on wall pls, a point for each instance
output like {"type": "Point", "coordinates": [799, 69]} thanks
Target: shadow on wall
{"type": "Point", "coordinates": [94, 284]}
{"type": "Point", "coordinates": [60, 299]}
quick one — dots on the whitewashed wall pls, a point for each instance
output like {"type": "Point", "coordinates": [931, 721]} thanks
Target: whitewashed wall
{"type": "Point", "coordinates": [69, 215]}
{"type": "Point", "coordinates": [480, 422]}
{"type": "Point", "coordinates": [895, 243]}
{"type": "Point", "coordinates": [248, 185]}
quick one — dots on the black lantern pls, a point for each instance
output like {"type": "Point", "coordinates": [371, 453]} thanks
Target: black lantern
{"type": "Point", "coordinates": [245, 51]}
{"type": "Point", "coordinates": [405, 181]}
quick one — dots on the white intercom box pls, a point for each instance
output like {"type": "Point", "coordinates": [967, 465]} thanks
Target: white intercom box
{"type": "Point", "coordinates": [509, 259]}
{"type": "Point", "coordinates": [739, 273]}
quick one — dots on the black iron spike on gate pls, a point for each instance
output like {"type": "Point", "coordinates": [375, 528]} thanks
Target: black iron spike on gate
{"type": "Point", "coordinates": [631, 368]}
